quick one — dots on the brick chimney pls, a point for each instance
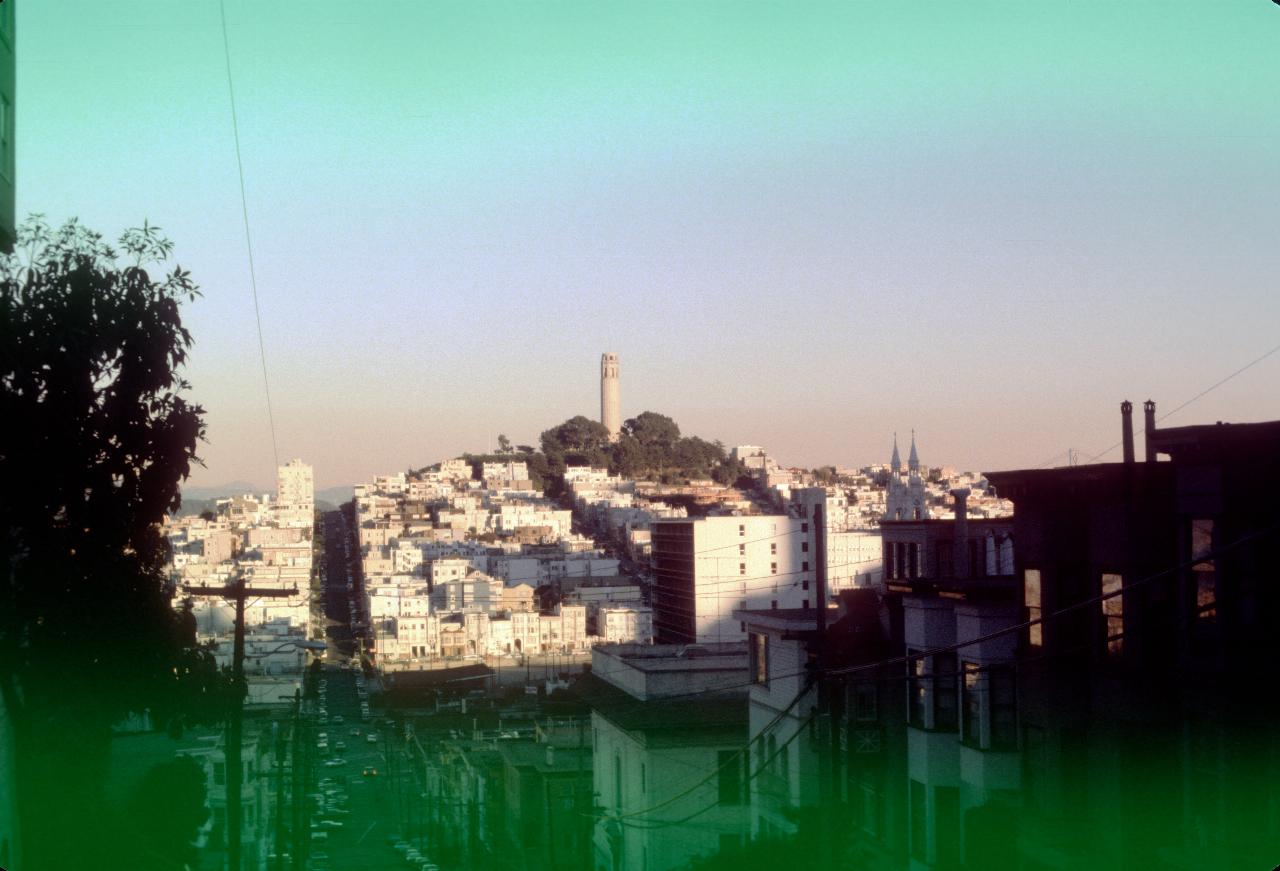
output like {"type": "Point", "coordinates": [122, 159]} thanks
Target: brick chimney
{"type": "Point", "coordinates": [1149, 412]}
{"type": "Point", "coordinates": [960, 543]}
{"type": "Point", "coordinates": [1126, 429]}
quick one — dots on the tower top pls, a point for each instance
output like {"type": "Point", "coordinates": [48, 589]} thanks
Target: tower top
{"type": "Point", "coordinates": [895, 462]}
{"type": "Point", "coordinates": [913, 460]}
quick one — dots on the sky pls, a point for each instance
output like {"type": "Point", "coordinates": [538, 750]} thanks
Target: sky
{"type": "Point", "coordinates": [805, 226]}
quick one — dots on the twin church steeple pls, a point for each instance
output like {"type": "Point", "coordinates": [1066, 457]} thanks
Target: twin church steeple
{"type": "Point", "coordinates": [905, 497]}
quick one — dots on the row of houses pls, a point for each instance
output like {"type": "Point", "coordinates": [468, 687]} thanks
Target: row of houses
{"type": "Point", "coordinates": [459, 566]}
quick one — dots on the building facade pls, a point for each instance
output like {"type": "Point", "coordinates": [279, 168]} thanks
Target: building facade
{"type": "Point", "coordinates": [705, 569]}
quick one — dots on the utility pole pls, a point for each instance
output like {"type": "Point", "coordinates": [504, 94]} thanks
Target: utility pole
{"type": "Point", "coordinates": [299, 806]}
{"type": "Point", "coordinates": [825, 757]}
{"type": "Point", "coordinates": [235, 721]}
{"type": "Point", "coordinates": [280, 744]}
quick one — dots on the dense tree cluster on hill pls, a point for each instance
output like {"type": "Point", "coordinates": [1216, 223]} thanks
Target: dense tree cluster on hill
{"type": "Point", "coordinates": [650, 446]}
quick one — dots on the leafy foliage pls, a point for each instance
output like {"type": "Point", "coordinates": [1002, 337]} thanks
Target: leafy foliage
{"type": "Point", "coordinates": [577, 441]}
{"type": "Point", "coordinates": [99, 436]}
{"type": "Point", "coordinates": [649, 446]}
{"type": "Point", "coordinates": [168, 808]}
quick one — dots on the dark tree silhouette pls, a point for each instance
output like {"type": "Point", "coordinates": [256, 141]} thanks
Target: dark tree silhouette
{"type": "Point", "coordinates": [97, 438]}
{"type": "Point", "coordinates": [577, 440]}
{"type": "Point", "coordinates": [650, 428]}
{"type": "Point", "coordinates": [167, 810]}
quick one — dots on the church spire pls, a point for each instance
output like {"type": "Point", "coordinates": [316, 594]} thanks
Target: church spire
{"type": "Point", "coordinates": [913, 461]}
{"type": "Point", "coordinates": [896, 462]}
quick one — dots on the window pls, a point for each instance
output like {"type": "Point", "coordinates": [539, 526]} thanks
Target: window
{"type": "Point", "coordinates": [804, 566]}
{"type": "Point", "coordinates": [865, 702]}
{"type": "Point", "coordinates": [742, 529]}
{"type": "Point", "coordinates": [804, 585]}
{"type": "Point", "coordinates": [773, 568]}
{"type": "Point", "coordinates": [759, 658]}
{"type": "Point", "coordinates": [742, 549]}
{"type": "Point", "coordinates": [917, 697]}
{"type": "Point", "coordinates": [1205, 571]}
{"type": "Point", "coordinates": [1031, 599]}
{"type": "Point", "coordinates": [773, 547]}
{"type": "Point", "coordinates": [946, 809]}
{"type": "Point", "coordinates": [914, 567]}
{"type": "Point", "coordinates": [1113, 612]}
{"type": "Point", "coordinates": [219, 773]}
{"type": "Point", "coordinates": [971, 690]}
{"type": "Point", "coordinates": [1003, 704]}
{"type": "Point", "coordinates": [804, 603]}
{"type": "Point", "coordinates": [888, 561]}
{"type": "Point", "coordinates": [644, 778]}
{"type": "Point", "coordinates": [742, 568]}
{"type": "Point", "coordinates": [945, 703]}
{"type": "Point", "coordinates": [730, 778]}
{"type": "Point", "coordinates": [804, 547]}
{"type": "Point", "coordinates": [774, 604]}
{"type": "Point", "coordinates": [804, 527]}
{"type": "Point", "coordinates": [919, 821]}
{"type": "Point", "coordinates": [617, 782]}
{"type": "Point", "coordinates": [942, 558]}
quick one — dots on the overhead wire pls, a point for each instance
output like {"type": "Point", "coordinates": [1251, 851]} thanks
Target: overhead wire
{"type": "Point", "coordinates": [1212, 387]}
{"type": "Point", "coordinates": [1012, 628]}
{"type": "Point", "coordinates": [248, 236]}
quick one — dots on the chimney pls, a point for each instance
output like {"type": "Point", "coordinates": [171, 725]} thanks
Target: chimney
{"type": "Point", "coordinates": [960, 544]}
{"type": "Point", "coordinates": [1126, 429]}
{"type": "Point", "coordinates": [1149, 411]}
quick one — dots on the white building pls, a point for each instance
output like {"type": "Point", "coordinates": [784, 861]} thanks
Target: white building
{"type": "Point", "coordinates": [625, 625]}
{"type": "Point", "coordinates": [905, 498]}
{"type": "Point", "coordinates": [710, 567]}
{"type": "Point", "coordinates": [295, 494]}
{"type": "Point", "coordinates": [663, 718]}
{"type": "Point", "coordinates": [854, 556]}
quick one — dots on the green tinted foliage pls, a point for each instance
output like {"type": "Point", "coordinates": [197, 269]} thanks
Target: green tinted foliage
{"type": "Point", "coordinates": [91, 346]}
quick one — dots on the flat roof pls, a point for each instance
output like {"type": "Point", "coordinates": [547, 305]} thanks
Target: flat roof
{"type": "Point", "coordinates": [786, 619]}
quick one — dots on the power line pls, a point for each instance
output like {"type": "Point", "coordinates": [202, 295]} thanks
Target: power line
{"type": "Point", "coordinates": [1212, 387]}
{"type": "Point", "coordinates": [1016, 627]}
{"type": "Point", "coordinates": [248, 237]}
{"type": "Point", "coordinates": [1066, 609]}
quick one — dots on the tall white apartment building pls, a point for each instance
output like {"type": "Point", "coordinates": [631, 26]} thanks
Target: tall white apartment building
{"type": "Point", "coordinates": [708, 568]}
{"type": "Point", "coordinates": [295, 494]}
{"type": "Point", "coordinates": [853, 557]}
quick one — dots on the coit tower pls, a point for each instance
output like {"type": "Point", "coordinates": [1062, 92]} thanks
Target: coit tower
{"type": "Point", "coordinates": [610, 414]}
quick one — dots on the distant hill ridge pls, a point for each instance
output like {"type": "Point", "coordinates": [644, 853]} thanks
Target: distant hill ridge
{"type": "Point", "coordinates": [197, 499]}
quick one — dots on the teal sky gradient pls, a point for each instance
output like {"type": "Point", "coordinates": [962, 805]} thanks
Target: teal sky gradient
{"type": "Point", "coordinates": [802, 225]}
